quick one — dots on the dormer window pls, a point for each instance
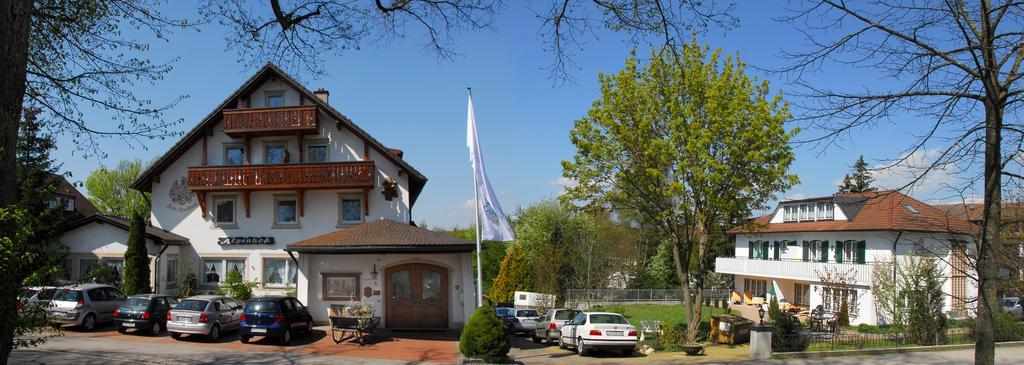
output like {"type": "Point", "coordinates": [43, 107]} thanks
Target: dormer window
{"type": "Point", "coordinates": [808, 212]}
{"type": "Point", "coordinates": [790, 213]}
{"type": "Point", "coordinates": [825, 211]}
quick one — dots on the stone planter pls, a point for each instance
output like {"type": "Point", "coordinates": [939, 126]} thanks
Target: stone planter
{"type": "Point", "coordinates": [694, 349]}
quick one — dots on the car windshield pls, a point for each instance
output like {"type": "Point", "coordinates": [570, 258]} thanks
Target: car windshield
{"type": "Point", "coordinates": [261, 307]}
{"type": "Point", "coordinates": [45, 294]}
{"type": "Point", "coordinates": [136, 303]}
{"type": "Point", "coordinates": [68, 295]}
{"type": "Point", "coordinates": [26, 293]}
{"type": "Point", "coordinates": [607, 319]}
{"type": "Point", "coordinates": [192, 305]}
{"type": "Point", "coordinates": [566, 315]}
{"type": "Point", "coordinates": [527, 313]}
{"type": "Point", "coordinates": [1009, 302]}
{"type": "Point", "coordinates": [501, 311]}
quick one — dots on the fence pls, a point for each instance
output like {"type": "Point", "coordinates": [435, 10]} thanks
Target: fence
{"type": "Point", "coordinates": [819, 341]}
{"type": "Point", "coordinates": [591, 297]}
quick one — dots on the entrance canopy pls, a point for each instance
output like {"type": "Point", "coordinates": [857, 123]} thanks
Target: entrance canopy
{"type": "Point", "coordinates": [382, 236]}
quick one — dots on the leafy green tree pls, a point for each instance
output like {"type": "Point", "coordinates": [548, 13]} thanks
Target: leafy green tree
{"type": "Point", "coordinates": [110, 190]}
{"type": "Point", "coordinates": [492, 255]}
{"type": "Point", "coordinates": [689, 142]}
{"type": "Point", "coordinates": [858, 180]}
{"type": "Point", "coordinates": [136, 259]}
{"type": "Point", "coordinates": [102, 273]}
{"type": "Point", "coordinates": [926, 322]}
{"type": "Point", "coordinates": [484, 336]}
{"type": "Point", "coordinates": [660, 271]}
{"type": "Point", "coordinates": [514, 275]}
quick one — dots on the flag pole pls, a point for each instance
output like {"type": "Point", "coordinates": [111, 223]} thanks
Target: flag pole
{"type": "Point", "coordinates": [476, 215]}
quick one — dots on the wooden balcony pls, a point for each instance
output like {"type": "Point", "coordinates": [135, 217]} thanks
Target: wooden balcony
{"type": "Point", "coordinates": [332, 175]}
{"type": "Point", "coordinates": [288, 120]}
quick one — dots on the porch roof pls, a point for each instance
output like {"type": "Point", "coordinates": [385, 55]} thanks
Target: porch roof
{"type": "Point", "coordinates": [382, 236]}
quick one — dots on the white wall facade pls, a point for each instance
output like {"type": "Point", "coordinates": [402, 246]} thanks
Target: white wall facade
{"type": "Point", "coordinates": [99, 241]}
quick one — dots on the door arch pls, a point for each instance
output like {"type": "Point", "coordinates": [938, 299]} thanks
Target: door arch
{"type": "Point", "coordinates": [416, 296]}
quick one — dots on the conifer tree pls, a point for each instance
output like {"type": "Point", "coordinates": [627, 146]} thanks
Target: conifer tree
{"type": "Point", "coordinates": [859, 179]}
{"type": "Point", "coordinates": [136, 259]}
{"type": "Point", "coordinates": [514, 275]}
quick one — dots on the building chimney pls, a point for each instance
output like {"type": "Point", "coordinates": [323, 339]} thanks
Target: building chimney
{"type": "Point", "coordinates": [323, 95]}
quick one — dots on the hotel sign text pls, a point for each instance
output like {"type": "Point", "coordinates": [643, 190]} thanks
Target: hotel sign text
{"type": "Point", "coordinates": [245, 241]}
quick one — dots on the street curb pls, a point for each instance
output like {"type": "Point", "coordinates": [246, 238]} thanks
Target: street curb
{"type": "Point", "coordinates": [898, 350]}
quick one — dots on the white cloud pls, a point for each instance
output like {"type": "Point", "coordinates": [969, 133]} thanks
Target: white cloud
{"type": "Point", "coordinates": [561, 183]}
{"type": "Point", "coordinates": [468, 205]}
{"type": "Point", "coordinates": [913, 166]}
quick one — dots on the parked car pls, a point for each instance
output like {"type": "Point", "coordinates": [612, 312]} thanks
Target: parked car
{"type": "Point", "coordinates": [207, 315]}
{"type": "Point", "coordinates": [522, 320]}
{"type": "Point", "coordinates": [1013, 306]}
{"type": "Point", "coordinates": [275, 316]}
{"type": "Point", "coordinates": [590, 331]}
{"type": "Point", "coordinates": [36, 297]}
{"type": "Point", "coordinates": [549, 327]}
{"type": "Point", "coordinates": [85, 305]}
{"type": "Point", "coordinates": [144, 312]}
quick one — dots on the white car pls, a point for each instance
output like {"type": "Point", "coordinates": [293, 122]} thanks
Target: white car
{"type": "Point", "coordinates": [1013, 306]}
{"type": "Point", "coordinates": [597, 330]}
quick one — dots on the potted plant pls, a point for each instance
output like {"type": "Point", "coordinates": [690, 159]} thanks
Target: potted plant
{"type": "Point", "coordinates": [692, 347]}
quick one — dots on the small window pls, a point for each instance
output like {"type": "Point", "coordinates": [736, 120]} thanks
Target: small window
{"type": "Point", "coordinates": [215, 271]}
{"type": "Point", "coordinates": [69, 204]}
{"type": "Point", "coordinates": [911, 209]}
{"type": "Point", "coordinates": [234, 155]}
{"type": "Point", "coordinates": [351, 209]}
{"type": "Point", "coordinates": [790, 213]}
{"type": "Point", "coordinates": [172, 270]}
{"type": "Point", "coordinates": [275, 154]}
{"type": "Point", "coordinates": [341, 287]}
{"type": "Point", "coordinates": [279, 272]}
{"type": "Point", "coordinates": [806, 212]}
{"type": "Point", "coordinates": [286, 211]}
{"type": "Point", "coordinates": [275, 99]}
{"type": "Point", "coordinates": [224, 211]}
{"type": "Point", "coordinates": [825, 210]}
{"type": "Point", "coordinates": [316, 153]}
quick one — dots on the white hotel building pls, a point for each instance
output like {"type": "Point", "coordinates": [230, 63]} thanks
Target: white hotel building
{"type": "Point", "coordinates": [279, 184]}
{"type": "Point", "coordinates": [789, 249]}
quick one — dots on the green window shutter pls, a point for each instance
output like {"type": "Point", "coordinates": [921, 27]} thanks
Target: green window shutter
{"type": "Point", "coordinates": [777, 251]}
{"type": "Point", "coordinates": [862, 252]}
{"type": "Point", "coordinates": [765, 247]}
{"type": "Point", "coordinates": [750, 250]}
{"type": "Point", "coordinates": [839, 252]}
{"type": "Point", "coordinates": [807, 251]}
{"type": "Point", "coordinates": [824, 251]}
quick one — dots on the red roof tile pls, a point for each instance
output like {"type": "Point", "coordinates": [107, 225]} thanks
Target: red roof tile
{"type": "Point", "coordinates": [874, 211]}
{"type": "Point", "coordinates": [383, 235]}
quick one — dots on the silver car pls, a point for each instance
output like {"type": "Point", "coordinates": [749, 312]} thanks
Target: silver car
{"type": "Point", "coordinates": [85, 305]}
{"type": "Point", "coordinates": [1013, 306]}
{"type": "Point", "coordinates": [549, 327]}
{"type": "Point", "coordinates": [208, 315]}
{"type": "Point", "coordinates": [523, 320]}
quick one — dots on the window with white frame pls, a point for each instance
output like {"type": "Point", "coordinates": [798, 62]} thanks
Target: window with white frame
{"type": "Point", "coordinates": [234, 155]}
{"type": "Point", "coordinates": [224, 210]}
{"type": "Point", "coordinates": [789, 213]}
{"type": "Point", "coordinates": [275, 99]}
{"type": "Point", "coordinates": [756, 288]}
{"type": "Point", "coordinates": [850, 251]}
{"type": "Point", "coordinates": [316, 152]}
{"type": "Point", "coordinates": [806, 212]}
{"type": "Point", "coordinates": [825, 210]}
{"type": "Point", "coordinates": [832, 299]}
{"type": "Point", "coordinates": [816, 249]}
{"type": "Point", "coordinates": [286, 211]}
{"type": "Point", "coordinates": [350, 209]}
{"type": "Point", "coordinates": [215, 270]}
{"type": "Point", "coordinates": [279, 272]}
{"type": "Point", "coordinates": [275, 153]}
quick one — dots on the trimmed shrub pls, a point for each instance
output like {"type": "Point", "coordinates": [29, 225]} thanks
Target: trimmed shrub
{"type": "Point", "coordinates": [235, 287]}
{"type": "Point", "coordinates": [786, 335]}
{"type": "Point", "coordinates": [774, 313]}
{"type": "Point", "coordinates": [484, 336]}
{"type": "Point", "coordinates": [189, 286]}
{"type": "Point", "coordinates": [843, 318]}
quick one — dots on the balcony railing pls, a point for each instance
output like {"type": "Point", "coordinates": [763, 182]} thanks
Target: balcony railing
{"type": "Point", "coordinates": [794, 270]}
{"type": "Point", "coordinates": [271, 121]}
{"type": "Point", "coordinates": [334, 175]}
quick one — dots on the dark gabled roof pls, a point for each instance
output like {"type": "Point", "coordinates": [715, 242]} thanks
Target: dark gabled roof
{"type": "Point", "coordinates": [871, 211]}
{"type": "Point", "coordinates": [158, 235]}
{"type": "Point", "coordinates": [382, 236]}
{"type": "Point", "coordinates": [144, 183]}
{"type": "Point", "coordinates": [64, 187]}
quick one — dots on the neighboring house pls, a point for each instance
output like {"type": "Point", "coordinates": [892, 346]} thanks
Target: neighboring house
{"type": "Point", "coordinates": [1011, 262]}
{"type": "Point", "coordinates": [789, 250]}
{"type": "Point", "coordinates": [92, 238]}
{"type": "Point", "coordinates": [278, 184]}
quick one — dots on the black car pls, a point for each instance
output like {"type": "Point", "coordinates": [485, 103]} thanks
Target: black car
{"type": "Point", "coordinates": [144, 312]}
{"type": "Point", "coordinates": [274, 316]}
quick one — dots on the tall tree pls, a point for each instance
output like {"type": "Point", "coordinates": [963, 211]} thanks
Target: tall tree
{"type": "Point", "coordinates": [110, 190]}
{"type": "Point", "coordinates": [690, 143]}
{"type": "Point", "coordinates": [136, 258]}
{"type": "Point", "coordinates": [859, 179]}
{"type": "Point", "coordinates": [955, 62]}
{"type": "Point", "coordinates": [514, 275]}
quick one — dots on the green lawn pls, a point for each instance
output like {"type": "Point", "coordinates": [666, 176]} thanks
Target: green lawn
{"type": "Point", "coordinates": [668, 314]}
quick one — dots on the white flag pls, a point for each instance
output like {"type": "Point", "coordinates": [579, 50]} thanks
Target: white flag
{"type": "Point", "coordinates": [493, 223]}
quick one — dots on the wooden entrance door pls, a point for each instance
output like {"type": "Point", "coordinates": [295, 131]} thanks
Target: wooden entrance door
{"type": "Point", "coordinates": [416, 296]}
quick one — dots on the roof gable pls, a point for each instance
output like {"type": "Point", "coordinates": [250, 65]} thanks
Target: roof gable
{"type": "Point", "coordinates": [144, 183]}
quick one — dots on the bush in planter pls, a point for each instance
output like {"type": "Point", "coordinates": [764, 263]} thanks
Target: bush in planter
{"type": "Point", "coordinates": [484, 336]}
{"type": "Point", "coordinates": [786, 335]}
{"type": "Point", "coordinates": [189, 286]}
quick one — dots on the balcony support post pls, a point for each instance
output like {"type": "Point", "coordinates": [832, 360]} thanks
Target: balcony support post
{"type": "Point", "coordinates": [201, 197]}
{"type": "Point", "coordinates": [245, 202]}
{"type": "Point", "coordinates": [300, 201]}
{"type": "Point", "coordinates": [248, 149]}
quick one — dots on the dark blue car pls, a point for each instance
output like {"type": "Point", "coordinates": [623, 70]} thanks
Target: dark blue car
{"type": "Point", "coordinates": [274, 316]}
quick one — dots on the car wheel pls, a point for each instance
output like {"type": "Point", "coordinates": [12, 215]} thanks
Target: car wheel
{"type": "Point", "coordinates": [581, 348]}
{"type": "Point", "coordinates": [121, 330]}
{"type": "Point", "coordinates": [89, 323]}
{"type": "Point", "coordinates": [214, 333]}
{"type": "Point", "coordinates": [309, 326]}
{"type": "Point", "coordinates": [175, 335]}
{"type": "Point", "coordinates": [562, 345]}
{"type": "Point", "coordinates": [286, 338]}
{"type": "Point", "coordinates": [156, 329]}
{"type": "Point", "coordinates": [244, 339]}
{"type": "Point", "coordinates": [627, 352]}
{"type": "Point", "coordinates": [533, 336]}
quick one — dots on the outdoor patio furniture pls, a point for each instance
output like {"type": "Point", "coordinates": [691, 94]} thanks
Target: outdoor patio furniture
{"type": "Point", "coordinates": [346, 323]}
{"type": "Point", "coordinates": [817, 318]}
{"type": "Point", "coordinates": [649, 327]}
{"type": "Point", "coordinates": [736, 299]}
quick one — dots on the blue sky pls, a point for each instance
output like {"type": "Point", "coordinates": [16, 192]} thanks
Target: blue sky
{"type": "Point", "coordinates": [410, 100]}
